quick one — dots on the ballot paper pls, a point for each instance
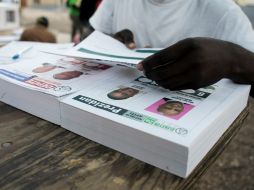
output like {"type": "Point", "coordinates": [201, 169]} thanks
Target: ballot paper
{"type": "Point", "coordinates": [172, 130]}
{"type": "Point", "coordinates": [107, 50]}
{"type": "Point", "coordinates": [36, 81]}
{"type": "Point", "coordinates": [118, 106]}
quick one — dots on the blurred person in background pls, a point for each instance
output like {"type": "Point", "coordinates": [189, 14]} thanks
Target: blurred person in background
{"type": "Point", "coordinates": [39, 32]}
{"type": "Point", "coordinates": [77, 27]}
{"type": "Point", "coordinates": [87, 9]}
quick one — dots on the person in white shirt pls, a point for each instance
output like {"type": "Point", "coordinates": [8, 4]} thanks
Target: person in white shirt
{"type": "Point", "coordinates": [163, 23]}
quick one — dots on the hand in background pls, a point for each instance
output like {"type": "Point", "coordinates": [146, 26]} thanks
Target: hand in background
{"type": "Point", "coordinates": [198, 62]}
{"type": "Point", "coordinates": [126, 37]}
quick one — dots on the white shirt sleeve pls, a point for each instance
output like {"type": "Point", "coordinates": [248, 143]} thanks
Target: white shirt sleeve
{"type": "Point", "coordinates": [102, 20]}
{"type": "Point", "coordinates": [235, 27]}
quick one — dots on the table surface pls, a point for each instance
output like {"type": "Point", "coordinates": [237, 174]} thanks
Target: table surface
{"type": "Point", "coordinates": [36, 154]}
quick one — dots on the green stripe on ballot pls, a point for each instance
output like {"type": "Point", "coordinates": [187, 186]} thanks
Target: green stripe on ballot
{"type": "Point", "coordinates": [146, 51]}
{"type": "Point", "coordinates": [108, 55]}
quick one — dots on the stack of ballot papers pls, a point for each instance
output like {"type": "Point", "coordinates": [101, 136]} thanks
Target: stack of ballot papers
{"type": "Point", "coordinates": [36, 81]}
{"type": "Point", "coordinates": [172, 130]}
{"type": "Point", "coordinates": [94, 90]}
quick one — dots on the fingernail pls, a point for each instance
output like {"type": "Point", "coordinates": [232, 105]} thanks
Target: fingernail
{"type": "Point", "coordinates": [131, 45]}
{"type": "Point", "coordinates": [140, 67]}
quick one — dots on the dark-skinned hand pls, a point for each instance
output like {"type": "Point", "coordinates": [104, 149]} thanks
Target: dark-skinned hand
{"type": "Point", "coordinates": [197, 62]}
{"type": "Point", "coordinates": [126, 37]}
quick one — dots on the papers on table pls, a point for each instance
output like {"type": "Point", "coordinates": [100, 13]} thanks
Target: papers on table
{"type": "Point", "coordinates": [104, 49]}
{"type": "Point", "coordinates": [13, 35]}
{"type": "Point", "coordinates": [172, 130]}
{"type": "Point", "coordinates": [4, 39]}
{"type": "Point", "coordinates": [37, 74]}
{"type": "Point", "coordinates": [118, 106]}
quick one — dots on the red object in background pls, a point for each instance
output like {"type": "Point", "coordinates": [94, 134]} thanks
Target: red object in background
{"type": "Point", "coordinates": [98, 2]}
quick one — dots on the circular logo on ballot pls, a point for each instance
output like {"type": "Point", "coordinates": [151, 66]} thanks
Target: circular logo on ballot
{"type": "Point", "coordinates": [62, 89]}
{"type": "Point", "coordinates": [181, 131]}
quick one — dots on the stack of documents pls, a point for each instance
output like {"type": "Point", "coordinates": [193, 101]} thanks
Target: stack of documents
{"type": "Point", "coordinates": [35, 81]}
{"type": "Point", "coordinates": [170, 130]}
{"type": "Point", "coordinates": [83, 90]}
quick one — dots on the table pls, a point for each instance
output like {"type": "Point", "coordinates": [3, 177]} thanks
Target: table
{"type": "Point", "coordinates": [35, 154]}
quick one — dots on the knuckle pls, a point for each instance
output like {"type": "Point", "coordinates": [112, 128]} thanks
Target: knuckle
{"type": "Point", "coordinates": [127, 36]}
{"type": "Point", "coordinates": [126, 32]}
{"type": "Point", "coordinates": [118, 36]}
{"type": "Point", "coordinates": [190, 41]}
{"type": "Point", "coordinates": [193, 42]}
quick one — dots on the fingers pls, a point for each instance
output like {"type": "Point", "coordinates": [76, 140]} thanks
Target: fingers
{"type": "Point", "coordinates": [178, 82]}
{"type": "Point", "coordinates": [167, 71]}
{"type": "Point", "coordinates": [180, 75]}
{"type": "Point", "coordinates": [181, 66]}
{"type": "Point", "coordinates": [185, 80]}
{"type": "Point", "coordinates": [167, 56]}
{"type": "Point", "coordinates": [126, 37]}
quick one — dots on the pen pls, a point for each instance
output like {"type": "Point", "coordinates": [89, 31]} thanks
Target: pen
{"type": "Point", "coordinates": [17, 55]}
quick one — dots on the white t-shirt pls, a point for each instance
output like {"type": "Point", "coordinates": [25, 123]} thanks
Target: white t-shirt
{"type": "Point", "coordinates": [161, 23]}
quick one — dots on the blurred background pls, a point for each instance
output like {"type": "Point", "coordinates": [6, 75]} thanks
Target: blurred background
{"type": "Point", "coordinates": [25, 13]}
